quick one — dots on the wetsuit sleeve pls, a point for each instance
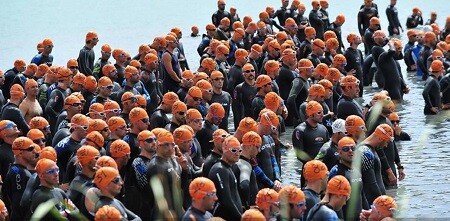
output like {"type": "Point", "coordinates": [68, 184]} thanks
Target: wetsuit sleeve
{"type": "Point", "coordinates": [83, 62]}
{"type": "Point", "coordinates": [257, 106]}
{"type": "Point", "coordinates": [36, 59]}
{"type": "Point", "coordinates": [233, 75]}
{"type": "Point", "coordinates": [403, 136]}
{"type": "Point", "coordinates": [237, 106]}
{"type": "Point", "coordinates": [297, 142]}
{"type": "Point", "coordinates": [383, 159]}
{"type": "Point", "coordinates": [244, 184]}
{"type": "Point", "coordinates": [370, 186]}
{"type": "Point", "coordinates": [297, 86]}
{"type": "Point", "coordinates": [274, 23]}
{"type": "Point", "coordinates": [390, 16]}
{"type": "Point", "coordinates": [396, 155]}
{"type": "Point", "coordinates": [426, 93]}
{"type": "Point", "coordinates": [203, 44]}
{"type": "Point", "coordinates": [276, 168]}
{"type": "Point", "coordinates": [130, 215]}
{"type": "Point", "coordinates": [360, 24]}
{"type": "Point", "coordinates": [51, 104]}
{"type": "Point", "coordinates": [226, 200]}
{"type": "Point", "coordinates": [260, 175]}
{"type": "Point", "coordinates": [14, 115]}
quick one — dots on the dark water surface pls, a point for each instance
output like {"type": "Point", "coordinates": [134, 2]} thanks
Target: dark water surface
{"type": "Point", "coordinates": [424, 194]}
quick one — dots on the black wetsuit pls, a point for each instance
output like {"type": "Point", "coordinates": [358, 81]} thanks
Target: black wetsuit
{"type": "Point", "coordinates": [369, 70]}
{"type": "Point", "coordinates": [243, 94]}
{"type": "Point", "coordinates": [364, 16]}
{"type": "Point", "coordinates": [257, 106]}
{"type": "Point", "coordinates": [371, 173]}
{"type": "Point", "coordinates": [218, 15]}
{"type": "Point", "coordinates": [12, 112]}
{"type": "Point", "coordinates": [414, 21]}
{"type": "Point", "coordinates": [64, 150]}
{"type": "Point", "coordinates": [297, 95]}
{"type": "Point", "coordinates": [431, 95]}
{"type": "Point", "coordinates": [284, 80]}
{"type": "Point", "coordinates": [368, 40]}
{"type": "Point", "coordinates": [444, 84]}
{"type": "Point", "coordinates": [154, 91]}
{"type": "Point", "coordinates": [77, 191]}
{"type": "Point", "coordinates": [6, 158]}
{"type": "Point", "coordinates": [303, 20]}
{"type": "Point", "coordinates": [203, 44]}
{"type": "Point", "coordinates": [354, 62]}
{"type": "Point", "coordinates": [54, 108]}
{"type": "Point", "coordinates": [407, 51]}
{"type": "Point", "coordinates": [311, 198]}
{"type": "Point", "coordinates": [444, 33]}
{"type": "Point", "coordinates": [225, 100]}
{"type": "Point", "coordinates": [280, 14]}
{"type": "Point", "coordinates": [223, 35]}
{"type": "Point", "coordinates": [20, 79]}
{"type": "Point", "coordinates": [315, 20]}
{"type": "Point", "coordinates": [392, 16]}
{"type": "Point", "coordinates": [328, 154]}
{"type": "Point", "coordinates": [14, 185]}
{"type": "Point", "coordinates": [376, 52]}
{"type": "Point", "coordinates": [135, 185]}
{"type": "Point", "coordinates": [314, 59]}
{"type": "Point", "coordinates": [196, 152]}
{"type": "Point", "coordinates": [124, 212]}
{"type": "Point", "coordinates": [248, 188]}
{"type": "Point", "coordinates": [32, 185]}
{"type": "Point", "coordinates": [337, 30]}
{"type": "Point", "coordinates": [224, 68]}
{"type": "Point", "coordinates": [204, 135]}
{"type": "Point", "coordinates": [309, 139]}
{"type": "Point", "coordinates": [212, 158]}
{"type": "Point", "coordinates": [195, 214]}
{"type": "Point", "coordinates": [424, 54]}
{"type": "Point", "coordinates": [325, 18]}
{"type": "Point", "coordinates": [229, 205]}
{"type": "Point", "coordinates": [169, 173]}
{"type": "Point", "coordinates": [304, 50]}
{"type": "Point", "coordinates": [267, 170]}
{"type": "Point", "coordinates": [9, 76]}
{"type": "Point", "coordinates": [322, 211]}
{"type": "Point", "coordinates": [86, 60]}
{"type": "Point", "coordinates": [357, 199]}
{"type": "Point", "coordinates": [44, 194]}
{"type": "Point", "coordinates": [158, 119]}
{"type": "Point", "coordinates": [346, 107]}
{"type": "Point", "coordinates": [235, 77]}
{"type": "Point", "coordinates": [393, 82]}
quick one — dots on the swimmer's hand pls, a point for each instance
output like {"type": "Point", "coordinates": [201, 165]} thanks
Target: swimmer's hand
{"type": "Point", "coordinates": [183, 162]}
{"type": "Point", "coordinates": [277, 185]}
{"type": "Point", "coordinates": [364, 215]}
{"type": "Point", "coordinates": [351, 72]}
{"type": "Point", "coordinates": [401, 174]}
{"type": "Point", "coordinates": [435, 109]}
{"type": "Point", "coordinates": [407, 89]}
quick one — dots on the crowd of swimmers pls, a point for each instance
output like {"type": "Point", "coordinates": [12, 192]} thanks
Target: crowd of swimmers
{"type": "Point", "coordinates": [147, 138]}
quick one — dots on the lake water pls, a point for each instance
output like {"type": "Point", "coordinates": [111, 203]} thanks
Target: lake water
{"type": "Point", "coordinates": [127, 24]}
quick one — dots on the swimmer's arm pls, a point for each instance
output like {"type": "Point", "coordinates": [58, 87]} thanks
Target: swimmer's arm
{"type": "Point", "coordinates": [23, 108]}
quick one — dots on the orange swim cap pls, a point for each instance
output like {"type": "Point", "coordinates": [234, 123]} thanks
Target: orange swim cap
{"type": "Point", "coordinates": [339, 185]}
{"type": "Point", "coordinates": [315, 170]}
